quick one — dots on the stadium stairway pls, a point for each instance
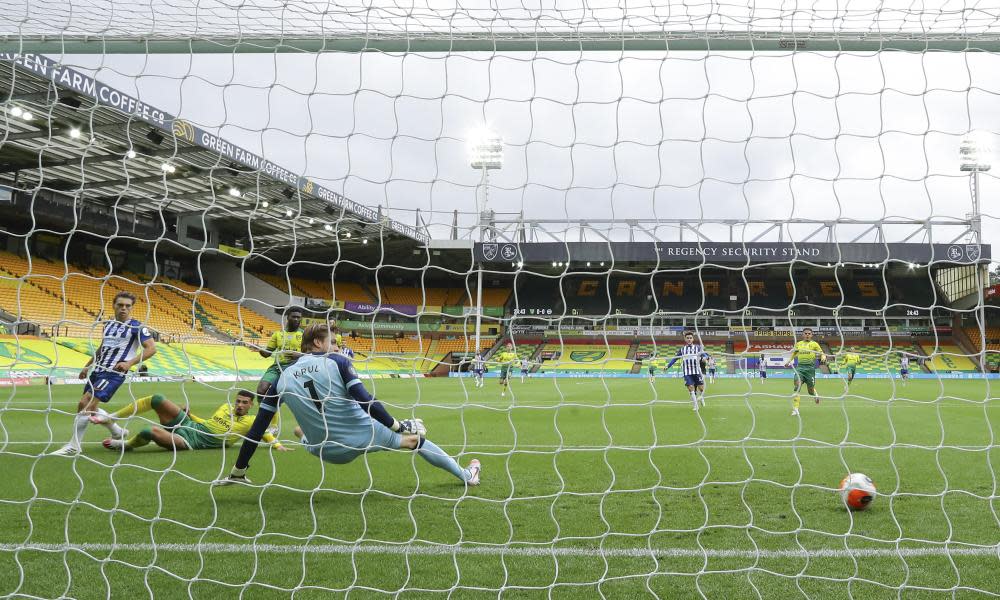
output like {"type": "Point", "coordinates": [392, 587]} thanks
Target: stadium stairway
{"type": "Point", "coordinates": [630, 355]}
{"type": "Point", "coordinates": [232, 282]}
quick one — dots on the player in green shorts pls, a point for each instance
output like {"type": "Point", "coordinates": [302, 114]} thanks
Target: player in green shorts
{"type": "Point", "coordinates": [506, 358]}
{"type": "Point", "coordinates": [805, 350]}
{"type": "Point", "coordinates": [285, 346]}
{"type": "Point", "coordinates": [179, 429]}
{"type": "Point", "coordinates": [851, 361]}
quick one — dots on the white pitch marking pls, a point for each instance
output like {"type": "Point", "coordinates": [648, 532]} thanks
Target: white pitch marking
{"type": "Point", "coordinates": [539, 551]}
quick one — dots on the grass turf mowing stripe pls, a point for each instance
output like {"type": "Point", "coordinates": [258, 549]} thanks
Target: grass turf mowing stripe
{"type": "Point", "coordinates": [518, 550]}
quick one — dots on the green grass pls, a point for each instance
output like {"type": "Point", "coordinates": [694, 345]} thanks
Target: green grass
{"type": "Point", "coordinates": [591, 472]}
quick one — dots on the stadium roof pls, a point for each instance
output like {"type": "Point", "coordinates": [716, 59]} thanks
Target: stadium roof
{"type": "Point", "coordinates": [97, 144]}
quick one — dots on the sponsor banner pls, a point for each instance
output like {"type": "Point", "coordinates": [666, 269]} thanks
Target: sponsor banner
{"type": "Point", "coordinates": [234, 251]}
{"type": "Point", "coordinates": [748, 375]}
{"type": "Point", "coordinates": [729, 252]}
{"type": "Point", "coordinates": [364, 328]}
{"type": "Point", "coordinates": [514, 328]}
{"type": "Point", "coordinates": [106, 95]}
{"type": "Point", "coordinates": [12, 381]}
{"type": "Point", "coordinates": [368, 308]}
{"type": "Point", "coordinates": [470, 311]}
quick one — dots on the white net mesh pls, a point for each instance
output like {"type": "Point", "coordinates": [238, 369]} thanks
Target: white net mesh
{"type": "Point", "coordinates": [260, 172]}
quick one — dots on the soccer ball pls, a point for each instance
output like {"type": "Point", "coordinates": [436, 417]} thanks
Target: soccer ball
{"type": "Point", "coordinates": [857, 491]}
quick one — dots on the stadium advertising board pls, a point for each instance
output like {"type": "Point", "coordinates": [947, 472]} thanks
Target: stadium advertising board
{"type": "Point", "coordinates": [368, 308]}
{"type": "Point", "coordinates": [729, 252]}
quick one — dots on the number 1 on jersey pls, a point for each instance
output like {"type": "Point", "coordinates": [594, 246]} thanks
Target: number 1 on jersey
{"type": "Point", "coordinates": [311, 386]}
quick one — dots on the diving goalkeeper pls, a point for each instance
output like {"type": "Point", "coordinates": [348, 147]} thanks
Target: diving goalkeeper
{"type": "Point", "coordinates": [339, 419]}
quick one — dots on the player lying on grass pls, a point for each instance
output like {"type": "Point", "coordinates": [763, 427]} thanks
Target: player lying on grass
{"type": "Point", "coordinates": [182, 430]}
{"type": "Point", "coordinates": [339, 419]}
{"type": "Point", "coordinates": [690, 355]}
{"type": "Point", "coordinates": [804, 353]}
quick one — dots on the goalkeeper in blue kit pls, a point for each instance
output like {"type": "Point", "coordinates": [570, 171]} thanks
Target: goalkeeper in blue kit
{"type": "Point", "coordinates": [338, 418]}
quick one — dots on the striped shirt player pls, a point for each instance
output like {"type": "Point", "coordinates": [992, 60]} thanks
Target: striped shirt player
{"type": "Point", "coordinates": [762, 365]}
{"type": "Point", "coordinates": [904, 366]}
{"type": "Point", "coordinates": [125, 342]}
{"type": "Point", "coordinates": [338, 419]}
{"type": "Point", "coordinates": [690, 355]}
{"type": "Point", "coordinates": [478, 368]}
{"type": "Point", "coordinates": [120, 342]}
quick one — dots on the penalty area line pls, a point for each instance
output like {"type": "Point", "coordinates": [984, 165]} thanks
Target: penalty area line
{"type": "Point", "coordinates": [517, 550]}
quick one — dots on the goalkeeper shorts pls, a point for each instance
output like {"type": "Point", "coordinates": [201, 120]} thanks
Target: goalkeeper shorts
{"type": "Point", "coordinates": [341, 451]}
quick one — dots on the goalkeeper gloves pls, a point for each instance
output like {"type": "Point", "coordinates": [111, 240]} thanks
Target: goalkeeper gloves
{"type": "Point", "coordinates": [412, 426]}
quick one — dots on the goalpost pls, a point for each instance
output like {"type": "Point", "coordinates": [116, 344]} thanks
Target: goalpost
{"type": "Point", "coordinates": [666, 123]}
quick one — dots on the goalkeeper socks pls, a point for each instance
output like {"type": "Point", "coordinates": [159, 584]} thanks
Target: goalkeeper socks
{"type": "Point", "coordinates": [140, 439]}
{"type": "Point", "coordinates": [141, 405]}
{"type": "Point", "coordinates": [795, 402]}
{"type": "Point", "coordinates": [437, 457]}
{"type": "Point", "coordinates": [113, 427]}
{"type": "Point", "coordinates": [80, 423]}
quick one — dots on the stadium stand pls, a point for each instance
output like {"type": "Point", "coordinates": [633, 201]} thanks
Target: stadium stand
{"type": "Point", "coordinates": [587, 357]}
{"type": "Point", "coordinates": [169, 360]}
{"type": "Point", "coordinates": [463, 344]}
{"type": "Point", "coordinates": [42, 357]}
{"type": "Point", "coordinates": [345, 291]}
{"type": "Point", "coordinates": [235, 359]}
{"type": "Point", "coordinates": [947, 357]}
{"type": "Point", "coordinates": [879, 357]}
{"type": "Point", "coordinates": [992, 344]}
{"type": "Point", "coordinates": [296, 289]}
{"type": "Point", "coordinates": [662, 352]}
{"type": "Point", "coordinates": [44, 293]}
{"type": "Point", "coordinates": [491, 297]}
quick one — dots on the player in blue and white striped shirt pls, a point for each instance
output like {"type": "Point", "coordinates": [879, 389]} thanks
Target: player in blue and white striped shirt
{"type": "Point", "coordinates": [690, 355]}
{"type": "Point", "coordinates": [125, 343]}
{"type": "Point", "coordinates": [478, 368]}
{"type": "Point", "coordinates": [338, 419]}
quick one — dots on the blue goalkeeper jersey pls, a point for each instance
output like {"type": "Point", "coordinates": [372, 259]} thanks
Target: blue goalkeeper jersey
{"type": "Point", "coordinates": [315, 388]}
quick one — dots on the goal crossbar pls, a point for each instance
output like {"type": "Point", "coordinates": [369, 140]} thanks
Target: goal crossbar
{"type": "Point", "coordinates": [511, 41]}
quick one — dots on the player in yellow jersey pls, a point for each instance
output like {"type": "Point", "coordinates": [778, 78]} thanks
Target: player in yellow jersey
{"type": "Point", "coordinates": [286, 348]}
{"type": "Point", "coordinates": [181, 430]}
{"type": "Point", "coordinates": [506, 358]}
{"type": "Point", "coordinates": [805, 350]}
{"type": "Point", "coordinates": [851, 361]}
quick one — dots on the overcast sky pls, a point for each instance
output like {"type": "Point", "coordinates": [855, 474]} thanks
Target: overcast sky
{"type": "Point", "coordinates": [587, 135]}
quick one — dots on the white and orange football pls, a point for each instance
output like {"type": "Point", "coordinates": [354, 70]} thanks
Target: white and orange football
{"type": "Point", "coordinates": [858, 491]}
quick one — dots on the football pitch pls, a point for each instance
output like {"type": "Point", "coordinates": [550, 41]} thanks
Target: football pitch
{"type": "Point", "coordinates": [591, 489]}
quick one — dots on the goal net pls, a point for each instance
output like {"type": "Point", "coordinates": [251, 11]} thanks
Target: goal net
{"type": "Point", "coordinates": [185, 187]}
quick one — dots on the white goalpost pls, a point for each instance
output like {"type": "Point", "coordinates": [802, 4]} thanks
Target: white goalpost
{"type": "Point", "coordinates": [589, 182]}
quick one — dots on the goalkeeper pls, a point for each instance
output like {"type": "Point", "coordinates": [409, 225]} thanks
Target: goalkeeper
{"type": "Point", "coordinates": [340, 421]}
{"type": "Point", "coordinates": [181, 430]}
